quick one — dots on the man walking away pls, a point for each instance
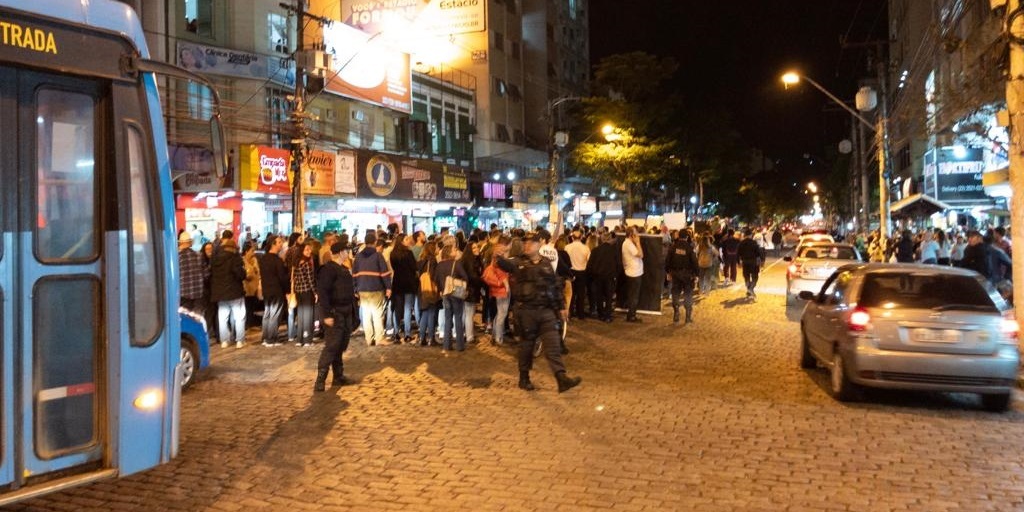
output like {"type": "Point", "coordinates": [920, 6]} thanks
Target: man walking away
{"type": "Point", "coordinates": [227, 272]}
{"type": "Point", "coordinates": [633, 267]}
{"type": "Point", "coordinates": [336, 290]}
{"type": "Point", "coordinates": [538, 295]}
{"type": "Point", "coordinates": [276, 283]}
{"type": "Point", "coordinates": [730, 256]}
{"type": "Point", "coordinates": [681, 269]}
{"type": "Point", "coordinates": [373, 285]}
{"type": "Point", "coordinates": [751, 256]}
{"type": "Point", "coordinates": [602, 271]}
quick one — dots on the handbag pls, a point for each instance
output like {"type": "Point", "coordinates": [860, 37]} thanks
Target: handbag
{"type": "Point", "coordinates": [293, 300]}
{"type": "Point", "coordinates": [428, 290]}
{"type": "Point", "coordinates": [455, 287]}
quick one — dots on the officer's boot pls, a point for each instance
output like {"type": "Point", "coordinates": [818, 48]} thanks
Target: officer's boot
{"type": "Point", "coordinates": [675, 314]}
{"type": "Point", "coordinates": [689, 315]}
{"type": "Point", "coordinates": [524, 381]}
{"type": "Point", "coordinates": [565, 383]}
{"type": "Point", "coordinates": [321, 379]}
{"type": "Point", "coordinates": [338, 371]}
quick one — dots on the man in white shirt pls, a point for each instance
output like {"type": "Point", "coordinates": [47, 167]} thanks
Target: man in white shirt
{"type": "Point", "coordinates": [633, 267]}
{"type": "Point", "coordinates": [579, 255]}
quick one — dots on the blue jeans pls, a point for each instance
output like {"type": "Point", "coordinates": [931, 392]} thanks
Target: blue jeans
{"type": "Point", "coordinates": [428, 322]}
{"type": "Point", "coordinates": [231, 317]}
{"type": "Point", "coordinates": [453, 315]}
{"type": "Point", "coordinates": [404, 304]}
{"type": "Point", "coordinates": [499, 319]}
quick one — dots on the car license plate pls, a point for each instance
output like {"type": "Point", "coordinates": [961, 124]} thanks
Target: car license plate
{"type": "Point", "coordinates": [938, 336]}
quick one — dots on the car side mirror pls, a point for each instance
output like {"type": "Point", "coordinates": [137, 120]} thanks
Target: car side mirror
{"type": "Point", "coordinates": [806, 295]}
{"type": "Point", "coordinates": [787, 258]}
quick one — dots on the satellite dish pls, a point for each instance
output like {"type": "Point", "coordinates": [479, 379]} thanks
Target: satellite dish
{"type": "Point", "coordinates": [845, 146]}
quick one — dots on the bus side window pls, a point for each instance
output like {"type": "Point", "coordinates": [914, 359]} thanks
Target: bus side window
{"type": "Point", "coordinates": [145, 319]}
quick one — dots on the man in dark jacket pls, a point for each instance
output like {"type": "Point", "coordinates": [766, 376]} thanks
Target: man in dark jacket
{"type": "Point", "coordinates": [336, 290]}
{"type": "Point", "coordinates": [730, 256]}
{"type": "Point", "coordinates": [751, 256]}
{"type": "Point", "coordinates": [681, 269]}
{"type": "Point", "coordinates": [905, 248]}
{"type": "Point", "coordinates": [373, 284]}
{"type": "Point", "coordinates": [976, 255]}
{"type": "Point", "coordinates": [275, 283]}
{"type": "Point", "coordinates": [602, 270]}
{"type": "Point", "coordinates": [227, 272]}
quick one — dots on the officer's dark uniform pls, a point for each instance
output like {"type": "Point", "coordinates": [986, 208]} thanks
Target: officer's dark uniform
{"type": "Point", "coordinates": [336, 292]}
{"type": "Point", "coordinates": [681, 264]}
{"type": "Point", "coordinates": [538, 296]}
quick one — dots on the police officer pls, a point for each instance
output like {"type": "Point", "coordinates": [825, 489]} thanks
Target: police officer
{"type": "Point", "coordinates": [539, 303]}
{"type": "Point", "coordinates": [336, 293]}
{"type": "Point", "coordinates": [681, 269]}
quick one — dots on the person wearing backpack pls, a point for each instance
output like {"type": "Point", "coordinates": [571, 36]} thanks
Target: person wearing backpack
{"type": "Point", "coordinates": [706, 256]}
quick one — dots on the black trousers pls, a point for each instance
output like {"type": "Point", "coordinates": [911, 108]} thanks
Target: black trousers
{"type": "Point", "coordinates": [751, 271]}
{"type": "Point", "coordinates": [632, 295]}
{"type": "Point", "coordinates": [729, 268]}
{"type": "Point", "coordinates": [683, 286]}
{"type": "Point", "coordinates": [273, 308]}
{"type": "Point", "coordinates": [579, 293]}
{"type": "Point", "coordinates": [539, 326]}
{"type": "Point", "coordinates": [603, 290]}
{"type": "Point", "coordinates": [336, 340]}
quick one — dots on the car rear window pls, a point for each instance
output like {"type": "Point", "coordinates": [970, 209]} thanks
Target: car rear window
{"type": "Point", "coordinates": [923, 291]}
{"type": "Point", "coordinates": [831, 252]}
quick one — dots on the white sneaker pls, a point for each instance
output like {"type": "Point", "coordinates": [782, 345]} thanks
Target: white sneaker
{"type": "Point", "coordinates": [240, 344]}
{"type": "Point", "coordinates": [224, 344]}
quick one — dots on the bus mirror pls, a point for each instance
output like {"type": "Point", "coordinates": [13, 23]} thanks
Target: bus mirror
{"type": "Point", "coordinates": [220, 159]}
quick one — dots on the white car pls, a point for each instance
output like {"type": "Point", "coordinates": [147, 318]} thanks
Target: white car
{"type": "Point", "coordinates": [812, 264]}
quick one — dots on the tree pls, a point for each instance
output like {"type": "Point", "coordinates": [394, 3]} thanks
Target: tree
{"type": "Point", "coordinates": [624, 163]}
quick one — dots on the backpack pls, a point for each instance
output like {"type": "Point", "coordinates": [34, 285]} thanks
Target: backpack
{"type": "Point", "coordinates": [704, 259]}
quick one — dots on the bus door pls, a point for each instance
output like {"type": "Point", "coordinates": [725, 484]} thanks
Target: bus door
{"type": "Point", "coordinates": [53, 173]}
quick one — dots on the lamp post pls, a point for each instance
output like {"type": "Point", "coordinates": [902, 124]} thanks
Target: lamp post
{"type": "Point", "coordinates": [881, 136]}
{"type": "Point", "coordinates": [553, 157]}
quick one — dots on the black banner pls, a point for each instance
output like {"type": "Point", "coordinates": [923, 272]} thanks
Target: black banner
{"type": "Point", "coordinates": [652, 281]}
{"type": "Point", "coordinates": [382, 176]}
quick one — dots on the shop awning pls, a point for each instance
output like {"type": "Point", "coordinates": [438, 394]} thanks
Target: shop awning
{"type": "Point", "coordinates": [917, 205]}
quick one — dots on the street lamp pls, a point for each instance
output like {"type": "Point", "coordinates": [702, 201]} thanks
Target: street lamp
{"type": "Point", "coordinates": [812, 187]}
{"type": "Point", "coordinates": [793, 78]}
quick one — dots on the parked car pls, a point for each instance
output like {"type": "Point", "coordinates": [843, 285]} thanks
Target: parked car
{"type": "Point", "coordinates": [195, 347]}
{"type": "Point", "coordinates": [812, 264]}
{"type": "Point", "coordinates": [906, 326]}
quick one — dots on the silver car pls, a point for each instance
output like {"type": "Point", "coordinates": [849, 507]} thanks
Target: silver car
{"type": "Point", "coordinates": [907, 326]}
{"type": "Point", "coordinates": [812, 264]}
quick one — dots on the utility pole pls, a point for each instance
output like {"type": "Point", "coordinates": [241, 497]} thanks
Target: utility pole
{"type": "Point", "coordinates": [553, 154]}
{"type": "Point", "coordinates": [1015, 107]}
{"type": "Point", "coordinates": [883, 147]}
{"type": "Point", "coordinates": [299, 115]}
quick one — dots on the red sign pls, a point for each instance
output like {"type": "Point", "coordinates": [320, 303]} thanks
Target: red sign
{"type": "Point", "coordinates": [266, 169]}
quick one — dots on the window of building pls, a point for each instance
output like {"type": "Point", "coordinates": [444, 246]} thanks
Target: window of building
{"type": "Point", "coordinates": [572, 9]}
{"type": "Point", "coordinates": [515, 93]}
{"type": "Point", "coordinates": [551, 32]}
{"type": "Point", "coordinates": [278, 108]}
{"type": "Point", "coordinates": [516, 50]}
{"type": "Point", "coordinates": [200, 101]}
{"type": "Point", "coordinates": [903, 157]}
{"type": "Point", "coordinates": [199, 17]}
{"type": "Point", "coordinates": [499, 41]}
{"type": "Point", "coordinates": [278, 37]}
{"type": "Point", "coordinates": [500, 88]}
{"type": "Point", "coordinates": [501, 132]}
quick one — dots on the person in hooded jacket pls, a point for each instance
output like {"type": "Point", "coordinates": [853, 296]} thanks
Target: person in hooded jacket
{"type": "Point", "coordinates": [227, 273]}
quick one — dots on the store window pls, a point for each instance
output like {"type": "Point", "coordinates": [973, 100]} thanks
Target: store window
{"type": "Point", "coordinates": [278, 37]}
{"type": "Point", "coordinates": [199, 17]}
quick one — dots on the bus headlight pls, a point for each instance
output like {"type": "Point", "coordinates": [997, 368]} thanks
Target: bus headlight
{"type": "Point", "coordinates": [149, 400]}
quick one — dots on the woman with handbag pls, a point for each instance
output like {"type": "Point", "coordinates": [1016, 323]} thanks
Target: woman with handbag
{"type": "Point", "coordinates": [497, 281]}
{"type": "Point", "coordinates": [304, 287]}
{"type": "Point", "coordinates": [450, 277]}
{"type": "Point", "coordinates": [429, 295]}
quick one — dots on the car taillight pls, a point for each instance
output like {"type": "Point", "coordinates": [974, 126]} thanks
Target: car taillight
{"type": "Point", "coordinates": [794, 269]}
{"type": "Point", "coordinates": [1010, 328]}
{"type": "Point", "coordinates": [859, 320]}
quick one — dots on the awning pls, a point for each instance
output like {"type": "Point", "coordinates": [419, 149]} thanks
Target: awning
{"type": "Point", "coordinates": [917, 205]}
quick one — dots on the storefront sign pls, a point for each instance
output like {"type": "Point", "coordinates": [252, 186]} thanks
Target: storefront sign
{"type": "Point", "coordinates": [266, 169]}
{"type": "Point", "coordinates": [586, 205]}
{"type": "Point", "coordinates": [392, 177]}
{"type": "Point", "coordinates": [318, 173]}
{"type": "Point", "coordinates": [420, 17]}
{"type": "Point", "coordinates": [611, 207]}
{"type": "Point", "coordinates": [368, 70]}
{"type": "Point", "coordinates": [455, 184]}
{"type": "Point", "coordinates": [958, 176]}
{"type": "Point", "coordinates": [423, 187]}
{"type": "Point", "coordinates": [494, 191]}
{"type": "Point", "coordinates": [345, 172]}
{"type": "Point", "coordinates": [222, 61]}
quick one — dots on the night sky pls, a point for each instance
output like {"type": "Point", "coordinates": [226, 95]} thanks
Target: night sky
{"type": "Point", "coordinates": [732, 53]}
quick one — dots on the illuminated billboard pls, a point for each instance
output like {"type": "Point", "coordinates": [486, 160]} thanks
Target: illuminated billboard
{"type": "Point", "coordinates": [424, 17]}
{"type": "Point", "coordinates": [367, 70]}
